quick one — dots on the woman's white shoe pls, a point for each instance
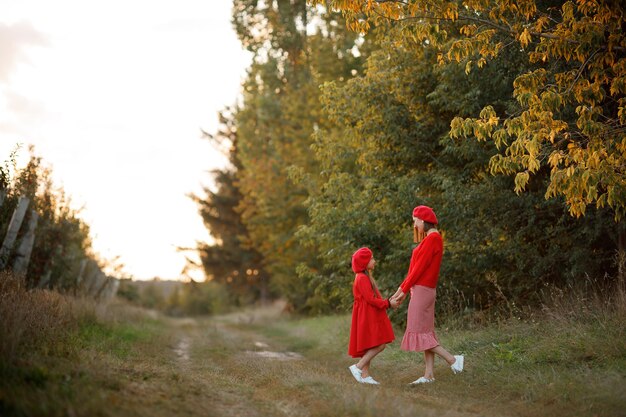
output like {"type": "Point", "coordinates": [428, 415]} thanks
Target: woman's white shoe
{"type": "Point", "coordinates": [457, 366]}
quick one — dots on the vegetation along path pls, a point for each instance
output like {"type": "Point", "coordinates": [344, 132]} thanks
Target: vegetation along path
{"type": "Point", "coordinates": [263, 363]}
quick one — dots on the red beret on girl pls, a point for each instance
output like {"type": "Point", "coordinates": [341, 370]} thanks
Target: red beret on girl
{"type": "Point", "coordinates": [425, 213]}
{"type": "Point", "coordinates": [360, 259]}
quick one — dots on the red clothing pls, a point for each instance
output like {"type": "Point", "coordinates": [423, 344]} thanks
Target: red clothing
{"type": "Point", "coordinates": [370, 325]}
{"type": "Point", "coordinates": [425, 263]}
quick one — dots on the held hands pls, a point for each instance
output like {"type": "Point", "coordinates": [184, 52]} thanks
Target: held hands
{"type": "Point", "coordinates": [397, 299]}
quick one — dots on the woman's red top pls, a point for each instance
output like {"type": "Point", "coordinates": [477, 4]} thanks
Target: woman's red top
{"type": "Point", "coordinates": [425, 263]}
{"type": "Point", "coordinates": [370, 325]}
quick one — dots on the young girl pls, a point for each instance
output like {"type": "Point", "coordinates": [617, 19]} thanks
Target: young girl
{"type": "Point", "coordinates": [421, 280]}
{"type": "Point", "coordinates": [371, 329]}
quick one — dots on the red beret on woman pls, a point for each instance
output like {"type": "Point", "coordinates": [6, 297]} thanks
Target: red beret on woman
{"type": "Point", "coordinates": [425, 213]}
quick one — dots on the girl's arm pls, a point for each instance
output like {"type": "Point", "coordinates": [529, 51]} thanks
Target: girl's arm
{"type": "Point", "coordinates": [364, 287]}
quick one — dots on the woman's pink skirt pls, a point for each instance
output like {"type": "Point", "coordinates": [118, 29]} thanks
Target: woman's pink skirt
{"type": "Point", "coordinates": [420, 327]}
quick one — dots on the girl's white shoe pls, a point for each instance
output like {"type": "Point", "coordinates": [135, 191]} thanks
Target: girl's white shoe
{"type": "Point", "coordinates": [457, 366]}
{"type": "Point", "coordinates": [423, 380]}
{"type": "Point", "coordinates": [370, 380]}
{"type": "Point", "coordinates": [356, 373]}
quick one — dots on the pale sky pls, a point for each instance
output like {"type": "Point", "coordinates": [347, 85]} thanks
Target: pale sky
{"type": "Point", "coordinates": [114, 96]}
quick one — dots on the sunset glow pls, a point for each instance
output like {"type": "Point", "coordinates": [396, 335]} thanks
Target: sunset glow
{"type": "Point", "coordinates": [114, 96]}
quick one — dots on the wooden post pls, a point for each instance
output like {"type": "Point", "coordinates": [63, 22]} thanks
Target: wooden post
{"type": "Point", "coordinates": [22, 255]}
{"type": "Point", "coordinates": [102, 293]}
{"type": "Point", "coordinates": [45, 279]}
{"type": "Point", "coordinates": [12, 231]}
{"type": "Point", "coordinates": [100, 284]}
{"type": "Point", "coordinates": [113, 287]}
{"type": "Point", "coordinates": [81, 273]}
{"type": "Point", "coordinates": [91, 278]}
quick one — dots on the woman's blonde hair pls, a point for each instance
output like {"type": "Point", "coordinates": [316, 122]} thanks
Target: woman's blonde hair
{"type": "Point", "coordinates": [419, 236]}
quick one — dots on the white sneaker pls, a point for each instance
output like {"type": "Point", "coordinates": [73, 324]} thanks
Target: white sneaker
{"type": "Point", "coordinates": [457, 366]}
{"type": "Point", "coordinates": [356, 373]}
{"type": "Point", "coordinates": [422, 380]}
{"type": "Point", "coordinates": [370, 380]}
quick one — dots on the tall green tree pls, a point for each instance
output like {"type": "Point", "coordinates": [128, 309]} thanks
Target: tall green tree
{"type": "Point", "coordinates": [296, 49]}
{"type": "Point", "coordinates": [228, 260]}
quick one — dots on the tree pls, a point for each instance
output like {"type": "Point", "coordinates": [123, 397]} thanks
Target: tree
{"type": "Point", "coordinates": [62, 239]}
{"type": "Point", "coordinates": [229, 261]}
{"type": "Point", "coordinates": [387, 149]}
{"type": "Point", "coordinates": [296, 49]}
{"type": "Point", "coordinates": [572, 97]}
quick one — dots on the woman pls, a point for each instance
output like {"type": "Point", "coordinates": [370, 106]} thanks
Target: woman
{"type": "Point", "coordinates": [421, 280]}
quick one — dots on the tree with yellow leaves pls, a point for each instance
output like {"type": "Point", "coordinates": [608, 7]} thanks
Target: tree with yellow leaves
{"type": "Point", "coordinates": [572, 117]}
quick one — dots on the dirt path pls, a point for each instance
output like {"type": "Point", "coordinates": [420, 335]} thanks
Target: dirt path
{"type": "Point", "coordinates": [246, 364]}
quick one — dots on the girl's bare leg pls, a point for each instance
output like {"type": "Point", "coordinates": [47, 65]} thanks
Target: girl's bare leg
{"type": "Point", "coordinates": [364, 363]}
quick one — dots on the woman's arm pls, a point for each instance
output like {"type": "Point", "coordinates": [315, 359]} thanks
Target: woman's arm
{"type": "Point", "coordinates": [420, 259]}
{"type": "Point", "coordinates": [398, 297]}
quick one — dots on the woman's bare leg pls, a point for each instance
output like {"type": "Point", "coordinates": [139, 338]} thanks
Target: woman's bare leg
{"type": "Point", "coordinates": [439, 350]}
{"type": "Point", "coordinates": [429, 360]}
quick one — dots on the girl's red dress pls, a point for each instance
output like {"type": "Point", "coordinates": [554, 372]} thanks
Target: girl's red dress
{"type": "Point", "coordinates": [370, 325]}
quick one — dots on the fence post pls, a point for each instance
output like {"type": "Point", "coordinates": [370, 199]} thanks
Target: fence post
{"type": "Point", "coordinates": [22, 255]}
{"type": "Point", "coordinates": [81, 273]}
{"type": "Point", "coordinates": [14, 228]}
{"type": "Point", "coordinates": [104, 284]}
{"type": "Point", "coordinates": [45, 279]}
{"type": "Point", "coordinates": [91, 279]}
{"type": "Point", "coordinates": [99, 282]}
{"type": "Point", "coordinates": [109, 289]}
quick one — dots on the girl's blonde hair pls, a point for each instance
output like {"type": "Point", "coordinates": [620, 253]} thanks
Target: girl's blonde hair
{"type": "Point", "coordinates": [372, 281]}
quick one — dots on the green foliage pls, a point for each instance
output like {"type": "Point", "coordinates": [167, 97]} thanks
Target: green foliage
{"type": "Point", "coordinates": [179, 298]}
{"type": "Point", "coordinates": [280, 111]}
{"type": "Point", "coordinates": [62, 239]}
{"type": "Point", "coordinates": [325, 171]}
{"type": "Point", "coordinates": [571, 94]}
{"type": "Point", "coordinates": [228, 261]}
{"type": "Point", "coordinates": [394, 153]}
{"type": "Point", "coordinates": [202, 299]}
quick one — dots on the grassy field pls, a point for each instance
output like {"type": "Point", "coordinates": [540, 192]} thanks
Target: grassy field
{"type": "Point", "coordinates": [122, 361]}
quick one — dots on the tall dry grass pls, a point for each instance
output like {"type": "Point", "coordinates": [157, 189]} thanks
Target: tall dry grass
{"type": "Point", "coordinates": [583, 301]}
{"type": "Point", "coordinates": [36, 320]}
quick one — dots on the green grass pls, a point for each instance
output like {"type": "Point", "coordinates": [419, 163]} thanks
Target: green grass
{"type": "Point", "coordinates": [118, 339]}
{"type": "Point", "coordinates": [125, 363]}
{"type": "Point", "coordinates": [69, 373]}
{"type": "Point", "coordinates": [547, 365]}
